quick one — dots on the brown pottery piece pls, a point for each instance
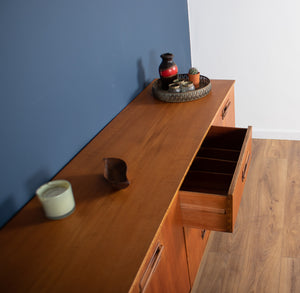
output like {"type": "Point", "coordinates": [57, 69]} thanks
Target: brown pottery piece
{"type": "Point", "coordinates": [115, 172]}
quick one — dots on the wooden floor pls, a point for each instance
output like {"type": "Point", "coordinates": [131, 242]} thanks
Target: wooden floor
{"type": "Point", "coordinates": [263, 253]}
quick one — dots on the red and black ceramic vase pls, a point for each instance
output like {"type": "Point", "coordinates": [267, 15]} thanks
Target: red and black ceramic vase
{"type": "Point", "coordinates": [167, 70]}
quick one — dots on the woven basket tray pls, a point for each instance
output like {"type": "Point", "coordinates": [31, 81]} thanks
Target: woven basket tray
{"type": "Point", "coordinates": [163, 95]}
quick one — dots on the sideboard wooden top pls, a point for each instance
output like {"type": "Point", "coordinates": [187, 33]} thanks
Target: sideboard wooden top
{"type": "Point", "coordinates": [100, 247]}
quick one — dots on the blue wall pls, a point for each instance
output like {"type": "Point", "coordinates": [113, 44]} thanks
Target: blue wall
{"type": "Point", "coordinates": [67, 67]}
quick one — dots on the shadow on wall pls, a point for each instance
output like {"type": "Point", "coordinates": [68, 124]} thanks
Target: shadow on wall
{"type": "Point", "coordinates": [152, 71]}
{"type": "Point", "coordinates": [141, 78]}
{"type": "Point", "coordinates": [10, 206]}
{"type": "Point", "coordinates": [36, 180]}
{"type": "Point", "coordinates": [7, 208]}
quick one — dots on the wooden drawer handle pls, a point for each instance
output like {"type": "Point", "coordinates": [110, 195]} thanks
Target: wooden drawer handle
{"type": "Point", "coordinates": [151, 267]}
{"type": "Point", "coordinates": [245, 168]}
{"type": "Point", "coordinates": [225, 109]}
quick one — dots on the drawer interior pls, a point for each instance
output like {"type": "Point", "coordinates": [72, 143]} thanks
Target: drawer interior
{"type": "Point", "coordinates": [214, 165]}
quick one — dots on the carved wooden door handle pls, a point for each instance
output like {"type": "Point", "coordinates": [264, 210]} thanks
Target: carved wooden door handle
{"type": "Point", "coordinates": [151, 267]}
{"type": "Point", "coordinates": [225, 109]}
{"type": "Point", "coordinates": [245, 168]}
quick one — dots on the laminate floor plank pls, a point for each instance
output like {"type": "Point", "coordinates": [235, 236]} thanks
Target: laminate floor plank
{"type": "Point", "coordinates": [261, 254]}
{"type": "Point", "coordinates": [291, 242]}
{"type": "Point", "coordinates": [290, 275]}
{"type": "Point", "coordinates": [279, 149]}
{"type": "Point", "coordinates": [215, 276]}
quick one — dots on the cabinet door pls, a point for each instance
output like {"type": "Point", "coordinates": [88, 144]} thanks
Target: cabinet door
{"type": "Point", "coordinates": [165, 269]}
{"type": "Point", "coordinates": [196, 240]}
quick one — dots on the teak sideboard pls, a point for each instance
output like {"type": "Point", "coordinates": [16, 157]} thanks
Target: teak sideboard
{"type": "Point", "coordinates": [187, 166]}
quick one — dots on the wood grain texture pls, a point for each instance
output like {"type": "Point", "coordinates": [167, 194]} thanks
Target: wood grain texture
{"type": "Point", "coordinates": [291, 244]}
{"type": "Point", "coordinates": [102, 245]}
{"type": "Point", "coordinates": [290, 275]}
{"type": "Point", "coordinates": [262, 255]}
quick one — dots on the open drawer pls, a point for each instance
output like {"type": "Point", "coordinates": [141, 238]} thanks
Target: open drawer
{"type": "Point", "coordinates": [211, 192]}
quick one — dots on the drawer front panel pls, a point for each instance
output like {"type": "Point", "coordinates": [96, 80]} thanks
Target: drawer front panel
{"type": "Point", "coordinates": [237, 186]}
{"type": "Point", "coordinates": [226, 116]}
{"type": "Point", "coordinates": [205, 211]}
{"type": "Point", "coordinates": [212, 190]}
{"type": "Point", "coordinates": [205, 220]}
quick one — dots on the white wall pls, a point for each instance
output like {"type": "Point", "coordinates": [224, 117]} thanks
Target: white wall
{"type": "Point", "coordinates": [257, 43]}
